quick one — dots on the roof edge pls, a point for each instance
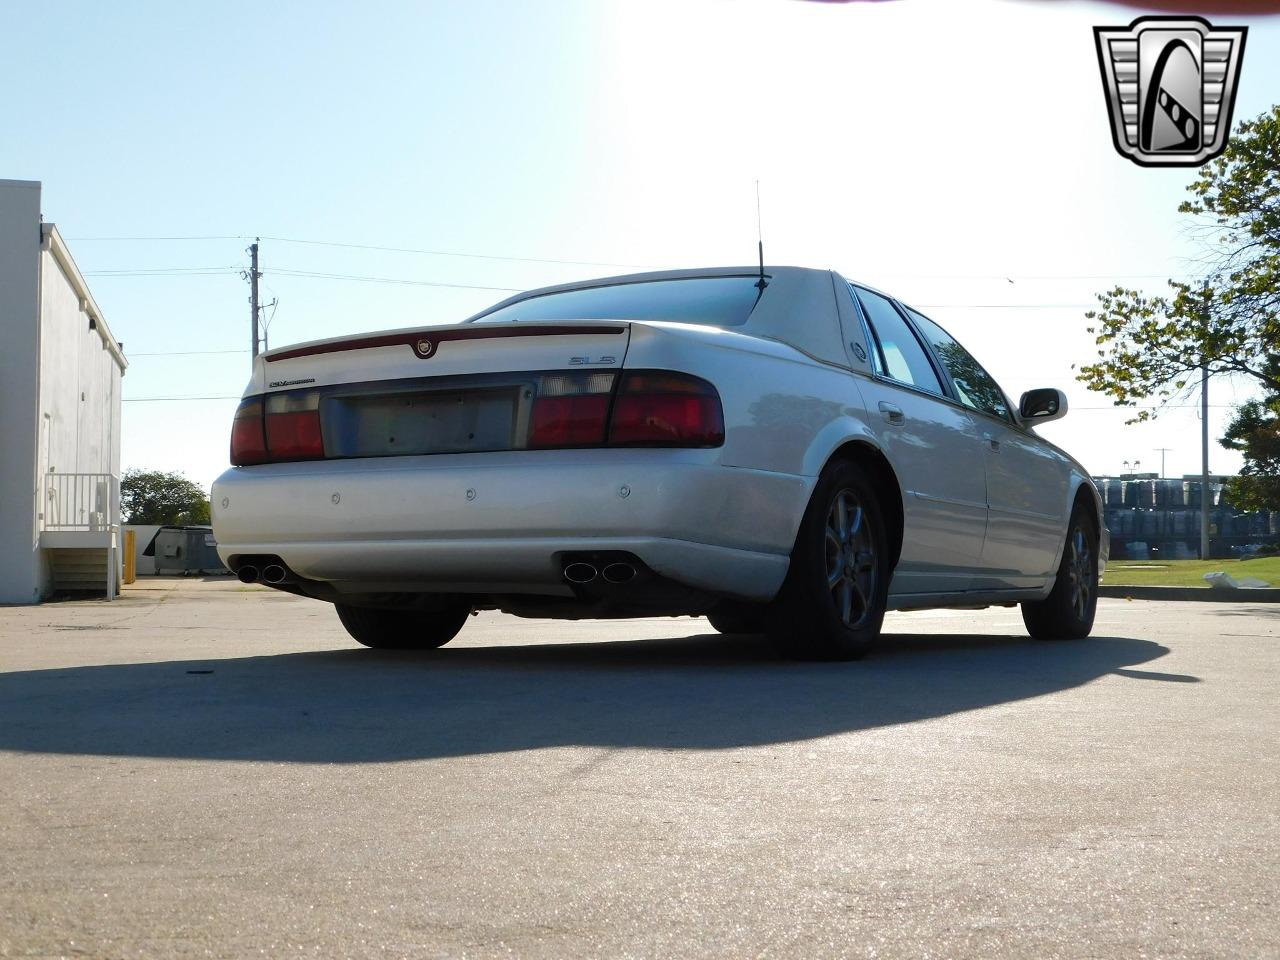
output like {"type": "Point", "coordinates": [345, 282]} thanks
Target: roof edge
{"type": "Point", "coordinates": [52, 241]}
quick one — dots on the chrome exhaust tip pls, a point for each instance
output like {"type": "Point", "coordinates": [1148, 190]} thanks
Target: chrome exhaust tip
{"type": "Point", "coordinates": [274, 573]}
{"type": "Point", "coordinates": [619, 573]}
{"type": "Point", "coordinates": [248, 573]}
{"type": "Point", "coordinates": [580, 572]}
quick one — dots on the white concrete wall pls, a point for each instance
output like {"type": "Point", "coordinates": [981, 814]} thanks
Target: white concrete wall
{"type": "Point", "coordinates": [20, 239]}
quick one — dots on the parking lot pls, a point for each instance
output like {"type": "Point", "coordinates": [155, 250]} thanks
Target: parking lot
{"type": "Point", "coordinates": [205, 769]}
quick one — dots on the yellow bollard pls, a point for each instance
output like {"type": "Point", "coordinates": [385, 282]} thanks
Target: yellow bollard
{"type": "Point", "coordinates": [130, 556]}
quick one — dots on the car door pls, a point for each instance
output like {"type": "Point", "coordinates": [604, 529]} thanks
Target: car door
{"type": "Point", "coordinates": [1027, 479]}
{"type": "Point", "coordinates": [933, 447]}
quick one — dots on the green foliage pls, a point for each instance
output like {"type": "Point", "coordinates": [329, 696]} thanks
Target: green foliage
{"type": "Point", "coordinates": [1153, 347]}
{"type": "Point", "coordinates": [1255, 431]}
{"type": "Point", "coordinates": [153, 496]}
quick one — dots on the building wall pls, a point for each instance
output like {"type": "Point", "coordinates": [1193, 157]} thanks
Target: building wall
{"type": "Point", "coordinates": [79, 383]}
{"type": "Point", "coordinates": [20, 239]}
{"type": "Point", "coordinates": [60, 376]}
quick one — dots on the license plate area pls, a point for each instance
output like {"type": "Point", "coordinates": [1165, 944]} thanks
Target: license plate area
{"type": "Point", "coordinates": [415, 422]}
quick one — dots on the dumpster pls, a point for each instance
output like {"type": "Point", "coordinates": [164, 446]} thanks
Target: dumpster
{"type": "Point", "coordinates": [185, 550]}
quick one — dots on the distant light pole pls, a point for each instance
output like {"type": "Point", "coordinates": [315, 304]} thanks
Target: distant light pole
{"type": "Point", "coordinates": [1162, 451]}
{"type": "Point", "coordinates": [1205, 495]}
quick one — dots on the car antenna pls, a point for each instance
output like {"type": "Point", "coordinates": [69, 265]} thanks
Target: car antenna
{"type": "Point", "coordinates": [762, 282]}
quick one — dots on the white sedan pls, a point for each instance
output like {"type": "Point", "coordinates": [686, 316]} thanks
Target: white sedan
{"type": "Point", "coordinates": [784, 451]}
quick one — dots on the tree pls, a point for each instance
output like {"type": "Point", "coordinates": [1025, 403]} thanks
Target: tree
{"type": "Point", "coordinates": [170, 499]}
{"type": "Point", "coordinates": [1255, 432]}
{"type": "Point", "coordinates": [1153, 348]}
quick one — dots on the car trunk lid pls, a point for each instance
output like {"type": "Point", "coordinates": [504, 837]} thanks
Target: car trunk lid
{"type": "Point", "coordinates": [454, 389]}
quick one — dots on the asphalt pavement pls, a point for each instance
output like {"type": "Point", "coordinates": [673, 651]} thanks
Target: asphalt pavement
{"type": "Point", "coordinates": [203, 769]}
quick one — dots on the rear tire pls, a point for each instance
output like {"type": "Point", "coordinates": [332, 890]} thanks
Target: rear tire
{"type": "Point", "coordinates": [1068, 612]}
{"type": "Point", "coordinates": [402, 629]}
{"type": "Point", "coordinates": [832, 602]}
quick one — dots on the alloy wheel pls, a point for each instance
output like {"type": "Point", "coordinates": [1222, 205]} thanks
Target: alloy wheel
{"type": "Point", "coordinates": [850, 559]}
{"type": "Point", "coordinates": [1080, 573]}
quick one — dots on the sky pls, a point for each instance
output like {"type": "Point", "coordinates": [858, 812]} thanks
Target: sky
{"type": "Point", "coordinates": [956, 154]}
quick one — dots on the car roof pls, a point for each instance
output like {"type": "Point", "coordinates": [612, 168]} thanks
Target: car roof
{"type": "Point", "coordinates": [798, 307]}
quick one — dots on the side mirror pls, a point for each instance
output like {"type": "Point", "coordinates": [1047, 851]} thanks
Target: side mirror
{"type": "Point", "coordinates": [1043, 405]}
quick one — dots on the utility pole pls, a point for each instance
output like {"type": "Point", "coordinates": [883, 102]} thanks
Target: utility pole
{"type": "Point", "coordinates": [1205, 495]}
{"type": "Point", "coordinates": [254, 274]}
{"type": "Point", "coordinates": [1162, 451]}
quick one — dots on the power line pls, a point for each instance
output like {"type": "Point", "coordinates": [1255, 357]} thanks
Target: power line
{"type": "Point", "coordinates": [143, 239]}
{"type": "Point", "coordinates": [1167, 406]}
{"type": "Point", "coordinates": [162, 272]}
{"type": "Point", "coordinates": [157, 399]}
{"type": "Point", "coordinates": [1016, 276]}
{"type": "Point", "coordinates": [182, 353]}
{"type": "Point", "coordinates": [367, 246]}
{"type": "Point", "coordinates": [280, 272]}
{"type": "Point", "coordinates": [453, 253]}
{"type": "Point", "coordinates": [1008, 306]}
{"type": "Point", "coordinates": [605, 263]}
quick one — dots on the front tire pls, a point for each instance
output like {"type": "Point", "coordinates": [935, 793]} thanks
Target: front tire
{"type": "Point", "coordinates": [832, 603]}
{"type": "Point", "coordinates": [402, 629]}
{"type": "Point", "coordinates": [1068, 612]}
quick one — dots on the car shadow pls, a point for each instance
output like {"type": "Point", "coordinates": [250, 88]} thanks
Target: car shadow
{"type": "Point", "coordinates": [1240, 609]}
{"type": "Point", "coordinates": [695, 693]}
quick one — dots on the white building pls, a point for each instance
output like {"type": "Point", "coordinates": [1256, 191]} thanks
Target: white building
{"type": "Point", "coordinates": [60, 372]}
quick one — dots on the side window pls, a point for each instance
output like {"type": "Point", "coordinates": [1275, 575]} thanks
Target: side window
{"type": "Point", "coordinates": [897, 352]}
{"type": "Point", "coordinates": [974, 386]}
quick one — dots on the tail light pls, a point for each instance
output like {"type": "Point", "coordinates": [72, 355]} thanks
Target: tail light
{"type": "Point", "coordinates": [661, 409]}
{"type": "Point", "coordinates": [248, 442]}
{"type": "Point", "coordinates": [572, 410]}
{"type": "Point", "coordinates": [639, 408]}
{"type": "Point", "coordinates": [293, 426]}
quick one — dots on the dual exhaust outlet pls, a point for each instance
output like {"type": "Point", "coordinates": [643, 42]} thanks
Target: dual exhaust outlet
{"type": "Point", "coordinates": [272, 573]}
{"type": "Point", "coordinates": [581, 572]}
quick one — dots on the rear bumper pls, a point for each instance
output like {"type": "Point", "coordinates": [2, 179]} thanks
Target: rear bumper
{"type": "Point", "coordinates": [498, 522]}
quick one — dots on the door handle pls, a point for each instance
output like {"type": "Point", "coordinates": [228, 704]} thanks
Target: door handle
{"type": "Point", "coordinates": [892, 412]}
{"type": "Point", "coordinates": [992, 442]}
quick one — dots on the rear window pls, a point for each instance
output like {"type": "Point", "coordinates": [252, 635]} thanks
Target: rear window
{"type": "Point", "coordinates": [713, 301]}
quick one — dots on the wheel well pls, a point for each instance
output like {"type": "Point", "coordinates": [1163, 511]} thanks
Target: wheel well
{"type": "Point", "coordinates": [1090, 506]}
{"type": "Point", "coordinates": [886, 485]}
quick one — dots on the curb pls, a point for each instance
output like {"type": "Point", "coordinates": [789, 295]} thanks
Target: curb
{"type": "Point", "coordinates": [1204, 594]}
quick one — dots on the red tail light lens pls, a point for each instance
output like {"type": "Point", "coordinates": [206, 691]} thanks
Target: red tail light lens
{"type": "Point", "coordinates": [572, 410]}
{"type": "Point", "coordinates": [657, 409]}
{"type": "Point", "coordinates": [294, 436]}
{"type": "Point", "coordinates": [569, 421]}
{"type": "Point", "coordinates": [248, 443]}
{"type": "Point", "coordinates": [293, 427]}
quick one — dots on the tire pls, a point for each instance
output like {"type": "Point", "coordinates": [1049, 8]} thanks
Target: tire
{"type": "Point", "coordinates": [1067, 613]}
{"type": "Point", "coordinates": [832, 602]}
{"type": "Point", "coordinates": [737, 620]}
{"type": "Point", "coordinates": [402, 629]}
